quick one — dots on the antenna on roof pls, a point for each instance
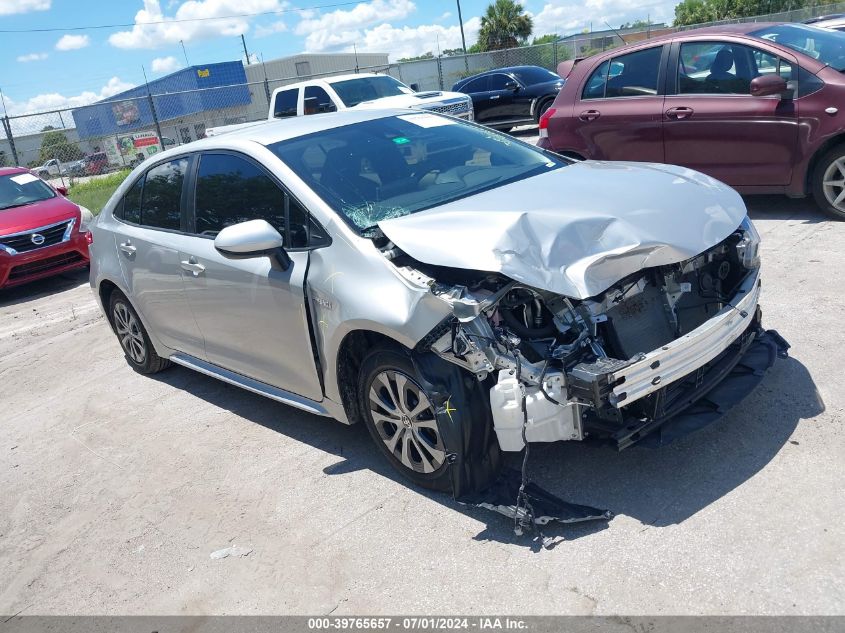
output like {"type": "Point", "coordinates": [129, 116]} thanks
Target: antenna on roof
{"type": "Point", "coordinates": [617, 33]}
{"type": "Point", "coordinates": [187, 63]}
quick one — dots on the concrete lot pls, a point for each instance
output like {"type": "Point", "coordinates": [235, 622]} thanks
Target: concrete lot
{"type": "Point", "coordinates": [117, 488]}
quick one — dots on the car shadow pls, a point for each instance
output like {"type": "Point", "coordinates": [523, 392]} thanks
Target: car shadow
{"type": "Point", "coordinates": [43, 287]}
{"type": "Point", "coordinates": [658, 487]}
{"type": "Point", "coordinates": [783, 208]}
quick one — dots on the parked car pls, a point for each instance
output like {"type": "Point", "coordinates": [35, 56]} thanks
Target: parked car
{"type": "Point", "coordinates": [76, 168]}
{"type": "Point", "coordinates": [428, 277]}
{"type": "Point", "coordinates": [358, 91]}
{"type": "Point", "coordinates": [42, 233]}
{"type": "Point", "coordinates": [507, 97]}
{"type": "Point", "coordinates": [764, 117]}
{"type": "Point", "coordinates": [97, 163]}
{"type": "Point", "coordinates": [54, 167]}
{"type": "Point", "coordinates": [834, 21]}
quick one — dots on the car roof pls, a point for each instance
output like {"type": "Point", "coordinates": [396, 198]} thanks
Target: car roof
{"type": "Point", "coordinates": [8, 171]}
{"type": "Point", "coordinates": [506, 69]}
{"type": "Point", "coordinates": [331, 80]}
{"type": "Point", "coordinates": [270, 132]}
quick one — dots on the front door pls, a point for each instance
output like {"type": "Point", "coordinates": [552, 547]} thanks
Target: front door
{"type": "Point", "coordinates": [712, 123]}
{"type": "Point", "coordinates": [250, 311]}
{"type": "Point", "coordinates": [500, 98]}
{"type": "Point", "coordinates": [148, 244]}
{"type": "Point", "coordinates": [619, 109]}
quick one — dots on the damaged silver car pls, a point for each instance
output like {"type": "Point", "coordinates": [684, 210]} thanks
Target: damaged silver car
{"type": "Point", "coordinates": [458, 291]}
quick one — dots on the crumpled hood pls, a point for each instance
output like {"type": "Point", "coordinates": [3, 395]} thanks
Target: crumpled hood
{"type": "Point", "coordinates": [413, 100]}
{"type": "Point", "coordinates": [576, 230]}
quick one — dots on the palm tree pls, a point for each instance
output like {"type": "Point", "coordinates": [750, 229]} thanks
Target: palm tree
{"type": "Point", "coordinates": [504, 25]}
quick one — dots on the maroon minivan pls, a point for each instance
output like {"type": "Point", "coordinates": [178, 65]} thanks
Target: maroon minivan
{"type": "Point", "coordinates": [759, 106]}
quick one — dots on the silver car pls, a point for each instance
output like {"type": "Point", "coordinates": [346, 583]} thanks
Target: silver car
{"type": "Point", "coordinates": [458, 291]}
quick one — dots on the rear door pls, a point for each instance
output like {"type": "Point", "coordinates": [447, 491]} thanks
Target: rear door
{"type": "Point", "coordinates": [714, 125]}
{"type": "Point", "coordinates": [481, 103]}
{"type": "Point", "coordinates": [149, 242]}
{"type": "Point", "coordinates": [501, 99]}
{"type": "Point", "coordinates": [619, 108]}
{"type": "Point", "coordinates": [251, 312]}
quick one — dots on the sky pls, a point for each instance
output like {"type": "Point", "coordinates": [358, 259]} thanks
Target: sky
{"type": "Point", "coordinates": [68, 66]}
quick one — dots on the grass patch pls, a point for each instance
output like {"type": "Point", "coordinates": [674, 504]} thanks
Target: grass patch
{"type": "Point", "coordinates": [96, 192]}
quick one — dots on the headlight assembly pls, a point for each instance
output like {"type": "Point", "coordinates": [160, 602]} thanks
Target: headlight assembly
{"type": "Point", "coordinates": [748, 247]}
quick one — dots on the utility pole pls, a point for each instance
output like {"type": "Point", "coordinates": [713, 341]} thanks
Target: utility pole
{"type": "Point", "coordinates": [246, 52]}
{"type": "Point", "coordinates": [461, 22]}
{"type": "Point", "coordinates": [187, 63]}
{"type": "Point", "coordinates": [7, 127]}
{"type": "Point", "coordinates": [152, 104]}
{"type": "Point", "coordinates": [463, 39]}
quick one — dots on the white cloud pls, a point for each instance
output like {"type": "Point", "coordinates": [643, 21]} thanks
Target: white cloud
{"type": "Point", "coordinates": [263, 30]}
{"type": "Point", "coordinates": [565, 17]}
{"type": "Point", "coordinates": [406, 41]}
{"type": "Point", "coordinates": [32, 57]}
{"type": "Point", "coordinates": [72, 42]}
{"type": "Point", "coordinates": [333, 29]}
{"type": "Point", "coordinates": [170, 31]}
{"type": "Point", "coordinates": [11, 7]}
{"type": "Point", "coordinates": [165, 64]}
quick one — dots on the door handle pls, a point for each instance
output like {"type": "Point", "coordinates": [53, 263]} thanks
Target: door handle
{"type": "Point", "coordinates": [192, 266]}
{"type": "Point", "coordinates": [589, 115]}
{"type": "Point", "coordinates": [127, 248]}
{"type": "Point", "coordinates": [681, 112]}
{"type": "Point", "coordinates": [495, 96]}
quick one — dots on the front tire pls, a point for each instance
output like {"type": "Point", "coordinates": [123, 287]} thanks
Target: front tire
{"type": "Point", "coordinates": [133, 338]}
{"type": "Point", "coordinates": [401, 419]}
{"type": "Point", "coordinates": [829, 182]}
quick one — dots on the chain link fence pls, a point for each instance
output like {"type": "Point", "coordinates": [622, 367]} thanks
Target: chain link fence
{"type": "Point", "coordinates": [119, 132]}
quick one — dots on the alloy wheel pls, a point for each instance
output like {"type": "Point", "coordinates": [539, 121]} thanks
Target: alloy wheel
{"type": "Point", "coordinates": [129, 332]}
{"type": "Point", "coordinates": [833, 183]}
{"type": "Point", "coordinates": [405, 421]}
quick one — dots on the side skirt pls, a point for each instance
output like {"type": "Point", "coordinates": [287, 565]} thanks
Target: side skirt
{"type": "Point", "coordinates": [250, 384]}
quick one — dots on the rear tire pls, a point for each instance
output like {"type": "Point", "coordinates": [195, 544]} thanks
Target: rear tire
{"type": "Point", "coordinates": [133, 338]}
{"type": "Point", "coordinates": [829, 182]}
{"type": "Point", "coordinates": [401, 420]}
{"type": "Point", "coordinates": [541, 109]}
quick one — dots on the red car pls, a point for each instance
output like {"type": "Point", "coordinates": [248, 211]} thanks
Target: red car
{"type": "Point", "coordinates": [759, 106]}
{"type": "Point", "coordinates": [42, 233]}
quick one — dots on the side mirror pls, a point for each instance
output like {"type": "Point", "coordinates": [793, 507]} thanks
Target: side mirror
{"type": "Point", "coordinates": [512, 85]}
{"type": "Point", "coordinates": [62, 190]}
{"type": "Point", "coordinates": [768, 85]}
{"type": "Point", "coordinates": [415, 87]}
{"type": "Point", "coordinates": [252, 239]}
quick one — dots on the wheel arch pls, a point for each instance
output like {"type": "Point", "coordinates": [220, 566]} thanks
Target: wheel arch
{"type": "Point", "coordinates": [355, 345]}
{"type": "Point", "coordinates": [823, 149]}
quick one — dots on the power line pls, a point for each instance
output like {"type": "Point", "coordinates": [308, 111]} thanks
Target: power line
{"type": "Point", "coordinates": [175, 21]}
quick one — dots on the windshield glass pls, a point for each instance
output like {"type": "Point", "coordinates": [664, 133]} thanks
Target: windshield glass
{"type": "Point", "coordinates": [17, 190]}
{"type": "Point", "coordinates": [394, 166]}
{"type": "Point", "coordinates": [826, 46]}
{"type": "Point", "coordinates": [354, 91]}
{"type": "Point", "coordinates": [535, 75]}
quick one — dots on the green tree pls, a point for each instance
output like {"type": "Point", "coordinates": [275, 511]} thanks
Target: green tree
{"type": "Point", "coordinates": [451, 52]}
{"type": "Point", "coordinates": [428, 55]}
{"type": "Point", "coordinates": [504, 25]}
{"type": "Point", "coordinates": [55, 145]}
{"type": "Point", "coordinates": [545, 39]}
{"type": "Point", "coordinates": [699, 11]}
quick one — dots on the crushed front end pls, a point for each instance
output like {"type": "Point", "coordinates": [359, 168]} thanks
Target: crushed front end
{"type": "Point", "coordinates": [655, 356]}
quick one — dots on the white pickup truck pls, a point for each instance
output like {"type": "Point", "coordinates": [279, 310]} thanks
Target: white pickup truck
{"type": "Point", "coordinates": [362, 90]}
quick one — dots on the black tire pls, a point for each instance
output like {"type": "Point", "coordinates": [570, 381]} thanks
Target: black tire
{"type": "Point", "coordinates": [418, 453]}
{"type": "Point", "coordinates": [133, 337]}
{"type": "Point", "coordinates": [541, 109]}
{"type": "Point", "coordinates": [828, 171]}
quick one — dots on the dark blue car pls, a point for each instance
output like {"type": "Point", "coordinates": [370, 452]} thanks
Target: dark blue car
{"type": "Point", "coordinates": [507, 97]}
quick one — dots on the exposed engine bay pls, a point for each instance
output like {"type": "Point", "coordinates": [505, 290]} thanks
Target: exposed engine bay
{"type": "Point", "coordinates": [615, 366]}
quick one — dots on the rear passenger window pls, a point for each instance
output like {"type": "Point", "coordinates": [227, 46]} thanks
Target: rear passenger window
{"type": "Point", "coordinates": [131, 211]}
{"type": "Point", "coordinates": [162, 195]}
{"type": "Point", "coordinates": [476, 85]}
{"type": "Point", "coordinates": [285, 104]}
{"type": "Point", "coordinates": [231, 190]}
{"type": "Point", "coordinates": [631, 75]}
{"type": "Point", "coordinates": [317, 100]}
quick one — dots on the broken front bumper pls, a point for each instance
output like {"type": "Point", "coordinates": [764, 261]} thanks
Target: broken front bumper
{"type": "Point", "coordinates": [689, 382]}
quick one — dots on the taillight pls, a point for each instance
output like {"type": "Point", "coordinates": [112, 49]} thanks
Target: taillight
{"type": "Point", "coordinates": [89, 238]}
{"type": "Point", "coordinates": [544, 122]}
